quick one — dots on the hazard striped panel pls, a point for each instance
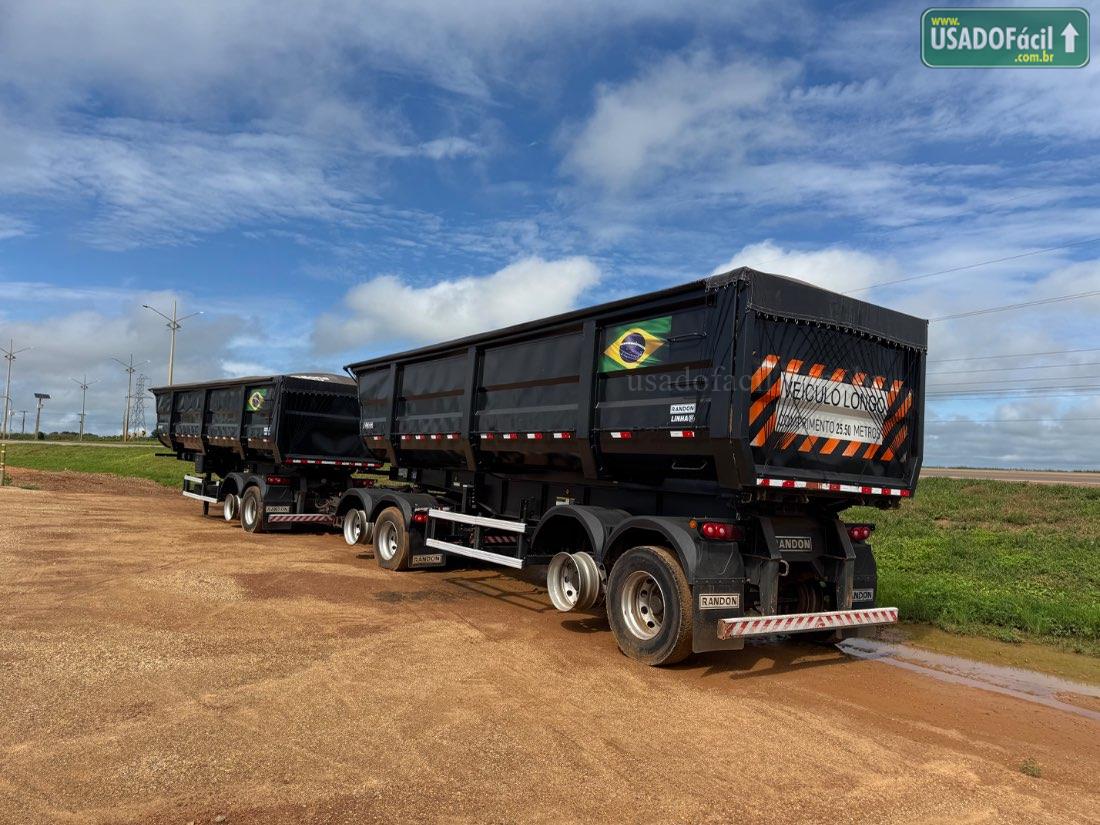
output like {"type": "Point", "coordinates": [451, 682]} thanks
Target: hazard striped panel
{"type": "Point", "coordinates": [298, 518]}
{"type": "Point", "coordinates": [745, 626]}
{"type": "Point", "coordinates": [768, 409]}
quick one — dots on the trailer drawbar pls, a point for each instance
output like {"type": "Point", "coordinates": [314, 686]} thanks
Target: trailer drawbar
{"type": "Point", "coordinates": [683, 456]}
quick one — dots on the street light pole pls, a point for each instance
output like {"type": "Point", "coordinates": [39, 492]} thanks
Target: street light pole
{"type": "Point", "coordinates": [84, 397]}
{"type": "Point", "coordinates": [174, 323]}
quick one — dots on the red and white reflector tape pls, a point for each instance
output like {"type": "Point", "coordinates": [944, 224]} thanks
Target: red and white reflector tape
{"type": "Point", "coordinates": [621, 434]}
{"type": "Point", "coordinates": [792, 484]}
{"type": "Point", "coordinates": [332, 462]}
{"type": "Point", "coordinates": [743, 626]}
{"type": "Point", "coordinates": [298, 518]}
{"type": "Point", "coordinates": [682, 433]}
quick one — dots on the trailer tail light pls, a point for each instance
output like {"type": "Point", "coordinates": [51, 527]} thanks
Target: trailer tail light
{"type": "Point", "coordinates": [420, 517]}
{"type": "Point", "coordinates": [906, 493]}
{"type": "Point", "coordinates": [720, 531]}
{"type": "Point", "coordinates": [860, 532]}
{"type": "Point", "coordinates": [277, 481]}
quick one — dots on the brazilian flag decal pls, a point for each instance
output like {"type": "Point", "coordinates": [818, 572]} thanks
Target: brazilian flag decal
{"type": "Point", "coordinates": [256, 399]}
{"type": "Point", "coordinates": [633, 345]}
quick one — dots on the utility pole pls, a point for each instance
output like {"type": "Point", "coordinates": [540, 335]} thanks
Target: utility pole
{"type": "Point", "coordinates": [83, 397]}
{"type": "Point", "coordinates": [23, 426]}
{"type": "Point", "coordinates": [9, 356]}
{"type": "Point", "coordinates": [130, 368]}
{"type": "Point", "coordinates": [173, 324]}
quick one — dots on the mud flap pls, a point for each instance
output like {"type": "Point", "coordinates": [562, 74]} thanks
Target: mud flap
{"type": "Point", "coordinates": [713, 600]}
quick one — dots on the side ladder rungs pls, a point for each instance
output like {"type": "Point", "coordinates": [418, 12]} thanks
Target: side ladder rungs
{"type": "Point", "coordinates": [474, 553]}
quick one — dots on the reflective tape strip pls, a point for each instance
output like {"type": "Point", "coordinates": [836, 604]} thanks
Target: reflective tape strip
{"type": "Point", "coordinates": [682, 433]}
{"type": "Point", "coordinates": [298, 518]}
{"type": "Point", "coordinates": [792, 484]}
{"type": "Point", "coordinates": [620, 434]}
{"type": "Point", "coordinates": [743, 626]}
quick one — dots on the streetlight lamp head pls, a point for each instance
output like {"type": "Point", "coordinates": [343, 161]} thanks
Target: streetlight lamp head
{"type": "Point", "coordinates": [42, 395]}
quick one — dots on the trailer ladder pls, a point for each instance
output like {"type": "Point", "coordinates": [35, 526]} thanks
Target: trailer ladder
{"type": "Point", "coordinates": [480, 524]}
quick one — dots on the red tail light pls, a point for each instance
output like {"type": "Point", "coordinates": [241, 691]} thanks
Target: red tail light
{"type": "Point", "coordinates": [277, 481]}
{"type": "Point", "coordinates": [720, 531]}
{"type": "Point", "coordinates": [420, 518]}
{"type": "Point", "coordinates": [860, 532]}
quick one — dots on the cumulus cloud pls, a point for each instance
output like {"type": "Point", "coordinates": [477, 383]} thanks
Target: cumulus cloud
{"type": "Point", "coordinates": [837, 268]}
{"type": "Point", "coordinates": [391, 310]}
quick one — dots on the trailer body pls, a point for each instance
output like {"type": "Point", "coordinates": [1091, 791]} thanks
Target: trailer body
{"type": "Point", "coordinates": [291, 439]}
{"type": "Point", "coordinates": [724, 423]}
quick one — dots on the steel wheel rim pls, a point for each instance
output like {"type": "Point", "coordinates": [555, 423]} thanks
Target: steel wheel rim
{"type": "Point", "coordinates": [387, 541]}
{"type": "Point", "coordinates": [353, 531]}
{"type": "Point", "coordinates": [642, 605]}
{"type": "Point", "coordinates": [229, 508]}
{"type": "Point", "coordinates": [250, 510]}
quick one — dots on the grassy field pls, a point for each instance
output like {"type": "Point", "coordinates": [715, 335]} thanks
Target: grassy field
{"type": "Point", "coordinates": [1004, 560]}
{"type": "Point", "coordinates": [135, 461]}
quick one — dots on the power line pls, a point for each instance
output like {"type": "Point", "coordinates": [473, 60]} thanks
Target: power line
{"type": "Point", "coordinates": [1021, 305]}
{"type": "Point", "coordinates": [909, 278]}
{"type": "Point", "coordinates": [1011, 355]}
{"type": "Point", "coordinates": [1092, 391]}
{"type": "Point", "coordinates": [1017, 381]}
{"type": "Point", "coordinates": [1010, 420]}
{"type": "Point", "coordinates": [1014, 369]}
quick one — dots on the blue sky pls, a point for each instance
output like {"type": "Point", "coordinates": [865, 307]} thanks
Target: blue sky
{"type": "Point", "coordinates": [329, 183]}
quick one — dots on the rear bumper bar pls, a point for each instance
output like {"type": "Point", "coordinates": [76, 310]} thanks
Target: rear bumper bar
{"type": "Point", "coordinates": [745, 626]}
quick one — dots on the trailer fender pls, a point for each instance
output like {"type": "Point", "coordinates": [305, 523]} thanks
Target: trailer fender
{"type": "Point", "coordinates": [405, 502]}
{"type": "Point", "coordinates": [357, 498]}
{"type": "Point", "coordinates": [653, 530]}
{"type": "Point", "coordinates": [566, 525]}
{"type": "Point", "coordinates": [233, 483]}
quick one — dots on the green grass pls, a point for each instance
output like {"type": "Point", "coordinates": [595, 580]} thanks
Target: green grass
{"type": "Point", "coordinates": [1006, 560]}
{"type": "Point", "coordinates": [139, 461]}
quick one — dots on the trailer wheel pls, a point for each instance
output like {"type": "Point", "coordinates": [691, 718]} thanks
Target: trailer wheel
{"type": "Point", "coordinates": [252, 510]}
{"type": "Point", "coordinates": [355, 527]}
{"type": "Point", "coordinates": [391, 540]}
{"type": "Point", "coordinates": [649, 606]}
{"type": "Point", "coordinates": [231, 506]}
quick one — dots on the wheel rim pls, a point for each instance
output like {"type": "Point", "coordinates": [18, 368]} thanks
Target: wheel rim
{"type": "Point", "coordinates": [387, 542]}
{"type": "Point", "coordinates": [353, 531]}
{"type": "Point", "coordinates": [250, 510]}
{"type": "Point", "coordinates": [642, 605]}
{"type": "Point", "coordinates": [563, 582]}
{"type": "Point", "coordinates": [229, 507]}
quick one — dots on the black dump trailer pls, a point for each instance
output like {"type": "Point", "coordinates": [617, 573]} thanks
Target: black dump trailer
{"type": "Point", "coordinates": [684, 455]}
{"type": "Point", "coordinates": [275, 450]}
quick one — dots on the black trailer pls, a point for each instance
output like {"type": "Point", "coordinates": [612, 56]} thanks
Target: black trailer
{"type": "Point", "coordinates": [278, 450]}
{"type": "Point", "coordinates": [685, 454]}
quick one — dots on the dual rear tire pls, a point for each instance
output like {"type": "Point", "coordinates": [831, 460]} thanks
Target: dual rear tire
{"type": "Point", "coordinates": [252, 510]}
{"type": "Point", "coordinates": [649, 606]}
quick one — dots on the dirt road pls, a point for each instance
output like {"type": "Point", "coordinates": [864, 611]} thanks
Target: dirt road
{"type": "Point", "coordinates": [1034, 476]}
{"type": "Point", "coordinates": [158, 667]}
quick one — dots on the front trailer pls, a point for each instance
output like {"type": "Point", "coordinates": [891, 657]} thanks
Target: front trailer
{"type": "Point", "coordinates": [686, 456]}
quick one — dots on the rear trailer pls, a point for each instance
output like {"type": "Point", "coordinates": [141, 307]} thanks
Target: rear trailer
{"type": "Point", "coordinates": [274, 450]}
{"type": "Point", "coordinates": [684, 455]}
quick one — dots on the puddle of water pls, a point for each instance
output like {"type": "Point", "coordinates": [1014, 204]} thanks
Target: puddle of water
{"type": "Point", "coordinates": [1010, 681]}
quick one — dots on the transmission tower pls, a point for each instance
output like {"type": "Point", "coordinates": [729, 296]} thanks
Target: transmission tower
{"type": "Point", "coordinates": [137, 406]}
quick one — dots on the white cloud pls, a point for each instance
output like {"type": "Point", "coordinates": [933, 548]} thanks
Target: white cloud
{"type": "Point", "coordinates": [389, 309]}
{"type": "Point", "coordinates": [678, 114]}
{"type": "Point", "coordinates": [837, 268]}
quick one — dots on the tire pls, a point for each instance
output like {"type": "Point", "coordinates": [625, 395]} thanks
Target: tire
{"type": "Point", "coordinates": [231, 507]}
{"type": "Point", "coordinates": [252, 510]}
{"type": "Point", "coordinates": [391, 540]}
{"type": "Point", "coordinates": [649, 606]}
{"type": "Point", "coordinates": [355, 527]}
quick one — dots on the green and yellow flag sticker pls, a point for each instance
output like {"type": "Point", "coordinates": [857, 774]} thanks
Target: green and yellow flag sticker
{"type": "Point", "coordinates": [633, 345]}
{"type": "Point", "coordinates": [256, 400]}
